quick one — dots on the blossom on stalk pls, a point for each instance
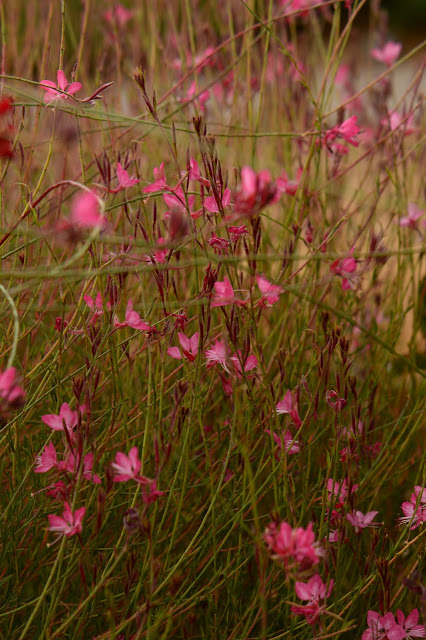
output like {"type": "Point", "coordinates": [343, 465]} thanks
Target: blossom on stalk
{"type": "Point", "coordinates": [288, 405]}
{"type": "Point", "coordinates": [11, 393]}
{"type": "Point", "coordinates": [119, 15]}
{"type": "Point", "coordinates": [218, 354]}
{"type": "Point", "coordinates": [175, 199]}
{"type": "Point", "coordinates": [410, 624]}
{"type": "Point", "coordinates": [159, 180]}
{"type": "Point", "coordinates": [47, 460]}
{"type": "Point", "coordinates": [96, 305]}
{"type": "Point", "coordinates": [395, 121]}
{"type": "Point", "coordinates": [294, 547]}
{"type": "Point", "coordinates": [128, 467]}
{"type": "Point", "coordinates": [314, 591]}
{"type": "Point", "coordinates": [414, 510]}
{"type": "Point", "coordinates": [51, 88]}
{"type": "Point", "coordinates": [150, 493]}
{"type": "Point", "coordinates": [224, 295]}
{"type": "Point", "coordinates": [189, 347]}
{"type": "Point", "coordinates": [219, 245]}
{"type": "Point", "coordinates": [124, 180]}
{"type": "Point", "coordinates": [193, 173]}
{"type": "Point", "coordinates": [86, 211]}
{"type": "Point", "coordinates": [386, 627]}
{"type": "Point", "coordinates": [270, 292]}
{"type": "Point", "coordinates": [212, 205]}
{"type": "Point", "coordinates": [285, 442]}
{"type": "Point", "coordinates": [69, 524]}
{"type": "Point", "coordinates": [237, 232]}
{"type": "Point", "coordinates": [73, 462]}
{"type": "Point", "coordinates": [66, 420]}
{"type": "Point", "coordinates": [345, 268]}
{"type": "Point", "coordinates": [132, 320]}
{"type": "Point", "coordinates": [388, 54]}
{"type": "Point", "coordinates": [361, 521]}
{"type": "Point", "coordinates": [414, 213]}
{"type": "Point", "coordinates": [257, 190]}
{"type": "Point", "coordinates": [289, 186]}
{"type": "Point", "coordinates": [241, 364]}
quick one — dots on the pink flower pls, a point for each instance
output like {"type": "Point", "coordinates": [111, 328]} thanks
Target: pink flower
{"type": "Point", "coordinates": [194, 173]}
{"type": "Point", "coordinates": [189, 347]}
{"type": "Point", "coordinates": [128, 467]}
{"type": "Point", "coordinates": [72, 465]}
{"type": "Point", "coordinates": [151, 494]}
{"type": "Point", "coordinates": [10, 392]}
{"type": "Point", "coordinates": [159, 180]}
{"type": "Point", "coordinates": [47, 460]}
{"type": "Point", "coordinates": [119, 14]}
{"type": "Point", "coordinates": [212, 205]}
{"type": "Point", "coordinates": [256, 192]}
{"type": "Point", "coordinates": [52, 92]}
{"type": "Point", "coordinates": [96, 305]}
{"type": "Point", "coordinates": [160, 253]}
{"type": "Point", "coordinates": [313, 591]}
{"type": "Point", "coordinates": [289, 186]}
{"type": "Point", "coordinates": [218, 354]}
{"type": "Point", "coordinates": [85, 211]}
{"type": "Point", "coordinates": [348, 130]}
{"type": "Point", "coordinates": [409, 624]}
{"type": "Point", "coordinates": [387, 54]}
{"type": "Point", "coordinates": [66, 420]}
{"type": "Point", "coordinates": [334, 401]}
{"type": "Point", "coordinates": [69, 524]}
{"type": "Point", "coordinates": [269, 291]}
{"type": "Point", "coordinates": [132, 320]}
{"type": "Point", "coordinates": [414, 213]}
{"type": "Point", "coordinates": [395, 120]}
{"type": "Point", "coordinates": [339, 490]}
{"type": "Point", "coordinates": [361, 521]}
{"type": "Point", "coordinates": [381, 627]}
{"type": "Point", "coordinates": [237, 232]}
{"type": "Point", "coordinates": [176, 200]}
{"type": "Point", "coordinates": [285, 441]}
{"type": "Point", "coordinates": [220, 245]}
{"type": "Point", "coordinates": [414, 512]}
{"type": "Point", "coordinates": [124, 180]}
{"type": "Point", "coordinates": [292, 546]}
{"type": "Point", "coordinates": [345, 267]}
{"type": "Point", "coordinates": [200, 101]}
{"type": "Point", "coordinates": [241, 365]}
{"type": "Point", "coordinates": [288, 405]}
{"type": "Point", "coordinates": [224, 294]}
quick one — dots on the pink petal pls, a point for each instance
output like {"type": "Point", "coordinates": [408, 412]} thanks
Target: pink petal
{"type": "Point", "coordinates": [62, 81]}
{"type": "Point", "coordinates": [74, 87]}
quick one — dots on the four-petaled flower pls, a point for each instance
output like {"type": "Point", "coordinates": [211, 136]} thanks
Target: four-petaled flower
{"type": "Point", "coordinates": [388, 53]}
{"type": "Point", "coordinates": [269, 291]}
{"type": "Point", "coordinates": [288, 405]}
{"type": "Point", "coordinates": [361, 521]}
{"type": "Point", "coordinates": [128, 467]}
{"type": "Point", "coordinates": [189, 347]}
{"type": "Point", "coordinates": [414, 213]}
{"type": "Point", "coordinates": [124, 180]}
{"type": "Point", "coordinates": [314, 591]}
{"type": "Point", "coordinates": [132, 320]}
{"type": "Point", "coordinates": [69, 524]}
{"type": "Point", "coordinates": [10, 392]}
{"type": "Point", "coordinates": [52, 92]}
{"type": "Point", "coordinates": [86, 211]}
{"type": "Point", "coordinates": [66, 420]}
{"type": "Point", "coordinates": [224, 295]}
{"type": "Point", "coordinates": [292, 546]}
